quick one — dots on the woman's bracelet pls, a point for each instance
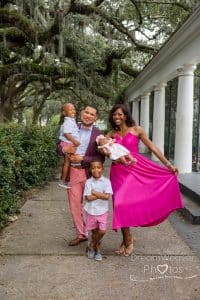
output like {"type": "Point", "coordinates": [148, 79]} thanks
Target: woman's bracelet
{"type": "Point", "coordinates": [168, 164]}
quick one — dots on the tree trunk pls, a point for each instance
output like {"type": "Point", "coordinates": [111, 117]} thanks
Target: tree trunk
{"type": "Point", "coordinates": [37, 109]}
{"type": "Point", "coordinates": [6, 106]}
{"type": "Point", "coordinates": [36, 115]}
{"type": "Point", "coordinates": [1, 117]}
{"type": "Point", "coordinates": [6, 112]}
{"type": "Point", "coordinates": [61, 37]}
{"type": "Point", "coordinates": [20, 116]}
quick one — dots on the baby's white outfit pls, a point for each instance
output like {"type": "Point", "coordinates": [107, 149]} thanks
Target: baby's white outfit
{"type": "Point", "coordinates": [116, 150]}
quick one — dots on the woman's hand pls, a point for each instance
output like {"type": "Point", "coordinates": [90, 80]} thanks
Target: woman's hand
{"type": "Point", "coordinates": [173, 169]}
{"type": "Point", "coordinates": [144, 138]}
{"type": "Point", "coordinates": [120, 160]}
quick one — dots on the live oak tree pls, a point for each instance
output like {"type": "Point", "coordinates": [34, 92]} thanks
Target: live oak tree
{"type": "Point", "coordinates": [83, 51]}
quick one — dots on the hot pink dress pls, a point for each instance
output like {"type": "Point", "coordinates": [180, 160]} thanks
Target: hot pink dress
{"type": "Point", "coordinates": [145, 193]}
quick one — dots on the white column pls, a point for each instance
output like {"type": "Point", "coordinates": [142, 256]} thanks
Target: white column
{"type": "Point", "coordinates": [144, 118]}
{"type": "Point", "coordinates": [184, 120]}
{"type": "Point", "coordinates": [159, 118]}
{"type": "Point", "coordinates": [135, 111]}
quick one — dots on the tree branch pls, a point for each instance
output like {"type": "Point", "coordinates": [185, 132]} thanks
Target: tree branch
{"type": "Point", "coordinates": [178, 3]}
{"type": "Point", "coordinates": [114, 54]}
{"type": "Point", "coordinates": [88, 10]}
{"type": "Point", "coordinates": [138, 12]}
{"type": "Point", "coordinates": [13, 35]}
{"type": "Point", "coordinates": [29, 28]}
{"type": "Point", "coordinates": [98, 3]}
{"type": "Point", "coordinates": [31, 69]}
{"type": "Point", "coordinates": [5, 2]}
{"type": "Point", "coordinates": [129, 71]}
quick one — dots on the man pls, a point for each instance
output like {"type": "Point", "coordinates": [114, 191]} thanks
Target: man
{"type": "Point", "coordinates": [79, 169]}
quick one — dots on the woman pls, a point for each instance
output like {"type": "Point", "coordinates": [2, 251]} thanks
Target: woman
{"type": "Point", "coordinates": [145, 193]}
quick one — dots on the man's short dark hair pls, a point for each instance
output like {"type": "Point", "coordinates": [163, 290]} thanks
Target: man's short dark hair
{"type": "Point", "coordinates": [93, 106]}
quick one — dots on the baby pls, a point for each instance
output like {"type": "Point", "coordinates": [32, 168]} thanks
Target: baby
{"type": "Point", "coordinates": [114, 150]}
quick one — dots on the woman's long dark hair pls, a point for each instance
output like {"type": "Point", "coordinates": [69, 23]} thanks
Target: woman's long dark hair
{"type": "Point", "coordinates": [129, 120]}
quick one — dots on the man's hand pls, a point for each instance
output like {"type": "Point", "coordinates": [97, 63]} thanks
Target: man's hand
{"type": "Point", "coordinates": [76, 158]}
{"type": "Point", "coordinates": [76, 143]}
{"type": "Point", "coordinates": [69, 149]}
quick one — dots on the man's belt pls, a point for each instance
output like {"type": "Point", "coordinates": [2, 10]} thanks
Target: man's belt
{"type": "Point", "coordinates": [77, 167]}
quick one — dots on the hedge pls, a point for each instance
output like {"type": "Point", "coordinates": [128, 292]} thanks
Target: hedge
{"type": "Point", "coordinates": [27, 157]}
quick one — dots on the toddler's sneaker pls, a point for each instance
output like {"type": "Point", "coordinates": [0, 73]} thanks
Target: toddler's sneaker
{"type": "Point", "coordinates": [98, 256]}
{"type": "Point", "coordinates": [64, 185]}
{"type": "Point", "coordinates": [90, 253]}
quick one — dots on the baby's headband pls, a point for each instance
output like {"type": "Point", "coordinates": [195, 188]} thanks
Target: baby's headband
{"type": "Point", "coordinates": [101, 136]}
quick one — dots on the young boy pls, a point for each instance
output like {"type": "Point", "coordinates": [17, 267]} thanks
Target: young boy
{"type": "Point", "coordinates": [97, 192]}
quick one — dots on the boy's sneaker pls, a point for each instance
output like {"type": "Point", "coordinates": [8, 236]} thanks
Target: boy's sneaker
{"type": "Point", "coordinates": [64, 185]}
{"type": "Point", "coordinates": [98, 256]}
{"type": "Point", "coordinates": [90, 253]}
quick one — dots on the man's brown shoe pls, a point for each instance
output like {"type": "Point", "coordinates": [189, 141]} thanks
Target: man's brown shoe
{"type": "Point", "coordinates": [77, 241]}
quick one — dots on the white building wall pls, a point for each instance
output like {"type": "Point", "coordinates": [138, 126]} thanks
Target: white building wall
{"type": "Point", "coordinates": [181, 50]}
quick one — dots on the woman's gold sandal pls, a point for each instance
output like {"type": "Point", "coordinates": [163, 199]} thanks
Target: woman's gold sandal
{"type": "Point", "coordinates": [121, 249]}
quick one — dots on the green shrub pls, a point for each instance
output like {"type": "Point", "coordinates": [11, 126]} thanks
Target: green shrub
{"type": "Point", "coordinates": [27, 157]}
